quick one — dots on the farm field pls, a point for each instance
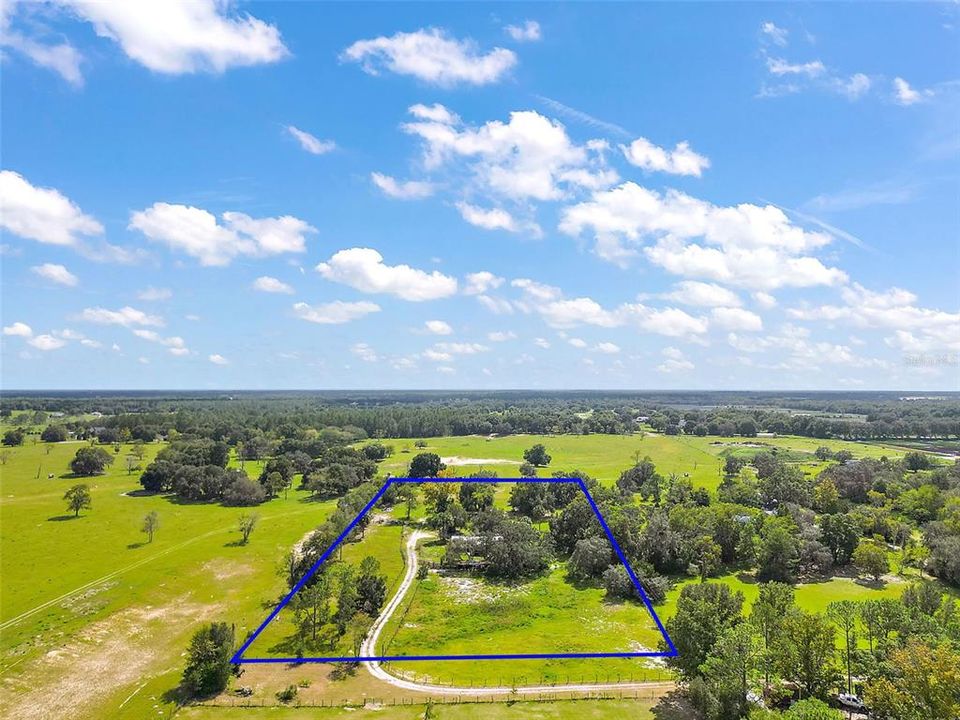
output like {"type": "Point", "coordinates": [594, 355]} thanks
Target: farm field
{"type": "Point", "coordinates": [124, 609]}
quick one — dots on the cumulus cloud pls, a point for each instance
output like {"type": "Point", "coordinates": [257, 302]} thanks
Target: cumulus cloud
{"type": "Point", "coordinates": [125, 317]}
{"type": "Point", "coordinates": [528, 158]}
{"type": "Point", "coordinates": [42, 214]}
{"type": "Point", "coordinates": [542, 343]}
{"type": "Point", "coordinates": [364, 352]}
{"type": "Point", "coordinates": [764, 300]}
{"type": "Point", "coordinates": [528, 32]}
{"type": "Point", "coordinates": [607, 348]}
{"type": "Point", "coordinates": [363, 269]}
{"type": "Point", "coordinates": [692, 292]}
{"type": "Point", "coordinates": [904, 94]}
{"type": "Point", "coordinates": [577, 342]}
{"type": "Point", "coordinates": [334, 313]}
{"type": "Point", "coordinates": [431, 55]}
{"type": "Point", "coordinates": [197, 233]}
{"type": "Point", "coordinates": [732, 318]}
{"type": "Point", "coordinates": [481, 282]}
{"type": "Point", "coordinates": [674, 361]}
{"type": "Point", "coordinates": [218, 359]}
{"type": "Point", "coordinates": [402, 190]}
{"type": "Point", "coordinates": [438, 327]}
{"type": "Point", "coordinates": [47, 342]}
{"type": "Point", "coordinates": [175, 345]}
{"type": "Point", "coordinates": [310, 143]}
{"type": "Point", "coordinates": [501, 336]}
{"type": "Point", "coordinates": [682, 160]}
{"type": "Point", "coordinates": [61, 57]}
{"type": "Point", "coordinates": [854, 87]}
{"type": "Point", "coordinates": [18, 329]}
{"type": "Point", "coordinates": [495, 219]}
{"type": "Point", "coordinates": [268, 284]}
{"type": "Point", "coordinates": [55, 274]}
{"type": "Point", "coordinates": [744, 245]}
{"type": "Point", "coordinates": [175, 37]}
{"type": "Point", "coordinates": [914, 328]}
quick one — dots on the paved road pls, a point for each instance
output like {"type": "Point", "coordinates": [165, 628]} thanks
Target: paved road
{"type": "Point", "coordinates": [369, 649]}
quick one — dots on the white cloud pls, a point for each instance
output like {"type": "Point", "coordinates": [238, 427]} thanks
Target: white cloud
{"type": "Point", "coordinates": [310, 143]}
{"type": "Point", "coordinates": [455, 348]}
{"type": "Point", "coordinates": [47, 342]}
{"type": "Point", "coordinates": [481, 282]}
{"type": "Point", "coordinates": [435, 113]}
{"type": "Point", "coordinates": [765, 300]}
{"type": "Point", "coordinates": [18, 329]}
{"type": "Point", "coordinates": [174, 344]}
{"type": "Point", "coordinates": [780, 67]}
{"type": "Point", "coordinates": [537, 291]}
{"type": "Point", "coordinates": [438, 327]}
{"type": "Point", "coordinates": [433, 56]}
{"type": "Point", "coordinates": [674, 361]}
{"type": "Point", "coordinates": [218, 359]}
{"type": "Point", "coordinates": [577, 342]}
{"type": "Point", "coordinates": [492, 219]}
{"type": "Point", "coordinates": [607, 348]}
{"type": "Point", "coordinates": [197, 233]}
{"type": "Point", "coordinates": [542, 343]}
{"type": "Point", "coordinates": [776, 35]}
{"type": "Point", "coordinates": [498, 306]}
{"type": "Point", "coordinates": [402, 190]}
{"type": "Point", "coordinates": [143, 361]}
{"type": "Point", "coordinates": [905, 95]}
{"type": "Point", "coordinates": [364, 352]}
{"type": "Point", "coordinates": [501, 336]}
{"type": "Point", "coordinates": [682, 160]}
{"type": "Point", "coordinates": [528, 32]}
{"type": "Point", "coordinates": [334, 313]}
{"type": "Point", "coordinates": [42, 214]}
{"type": "Point", "coordinates": [691, 292]}
{"type": "Point", "coordinates": [268, 284]}
{"type": "Point", "coordinates": [855, 87]}
{"type": "Point", "coordinates": [62, 58]}
{"type": "Point", "coordinates": [802, 353]}
{"type": "Point", "coordinates": [56, 274]}
{"type": "Point", "coordinates": [183, 36]}
{"type": "Point", "coordinates": [87, 342]}
{"type": "Point", "coordinates": [125, 316]}
{"type": "Point", "coordinates": [446, 370]}
{"type": "Point", "coordinates": [578, 311]}
{"type": "Point", "coordinates": [528, 158]}
{"type": "Point", "coordinates": [731, 318]}
{"type": "Point", "coordinates": [745, 245]}
{"type": "Point", "coordinates": [895, 309]}
{"type": "Point", "coordinates": [363, 269]}
{"type": "Point", "coordinates": [152, 294]}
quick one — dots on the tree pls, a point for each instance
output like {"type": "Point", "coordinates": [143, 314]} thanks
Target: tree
{"type": "Point", "coordinates": [242, 491]}
{"type": "Point", "coordinates": [537, 455]}
{"type": "Point", "coordinates": [527, 470]}
{"type": "Point", "coordinates": [90, 461]}
{"type": "Point", "coordinates": [812, 709]}
{"type": "Point", "coordinates": [915, 461]}
{"type": "Point", "coordinates": [804, 652]}
{"type": "Point", "coordinates": [245, 525]}
{"type": "Point", "coordinates": [54, 433]}
{"type": "Point", "coordinates": [530, 499]}
{"type": "Point", "coordinates": [924, 684]}
{"type": "Point", "coordinates": [407, 493]}
{"type": "Point", "coordinates": [704, 612]}
{"type": "Point", "coordinates": [14, 437]}
{"type": "Point", "coordinates": [273, 483]}
{"type": "Point", "coordinates": [841, 534]}
{"type": "Point", "coordinates": [773, 605]}
{"type": "Point", "coordinates": [371, 587]}
{"type": "Point", "coordinates": [425, 465]}
{"type": "Point", "coordinates": [823, 453]}
{"type": "Point", "coordinates": [208, 660]}
{"type": "Point", "coordinates": [311, 606]}
{"type": "Point", "coordinates": [358, 628]}
{"type": "Point", "coordinates": [844, 614]}
{"type": "Point", "coordinates": [78, 498]}
{"type": "Point", "coordinates": [151, 523]}
{"type": "Point", "coordinates": [732, 667]}
{"type": "Point", "coordinates": [515, 549]}
{"type": "Point", "coordinates": [871, 559]}
{"type": "Point", "coordinates": [590, 558]}
{"type": "Point", "coordinates": [475, 496]}
{"type": "Point", "coordinates": [779, 550]}
{"type": "Point", "coordinates": [347, 598]}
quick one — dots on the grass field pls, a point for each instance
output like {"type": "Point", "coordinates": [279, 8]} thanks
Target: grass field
{"type": "Point", "coordinates": [95, 620]}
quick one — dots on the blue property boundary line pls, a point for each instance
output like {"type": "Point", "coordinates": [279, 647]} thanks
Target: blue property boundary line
{"type": "Point", "coordinates": [670, 652]}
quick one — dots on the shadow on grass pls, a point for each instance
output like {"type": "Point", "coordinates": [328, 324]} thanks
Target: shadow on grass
{"type": "Point", "coordinates": [62, 518]}
{"type": "Point", "coordinates": [235, 543]}
{"type": "Point", "coordinates": [673, 706]}
{"type": "Point", "coordinates": [135, 545]}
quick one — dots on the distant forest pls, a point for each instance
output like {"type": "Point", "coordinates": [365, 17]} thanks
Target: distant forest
{"type": "Point", "coordinates": [231, 416]}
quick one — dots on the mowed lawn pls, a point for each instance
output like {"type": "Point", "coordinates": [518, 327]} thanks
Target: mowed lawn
{"type": "Point", "coordinates": [606, 456]}
{"type": "Point", "coordinates": [91, 613]}
{"type": "Point", "coordinates": [457, 615]}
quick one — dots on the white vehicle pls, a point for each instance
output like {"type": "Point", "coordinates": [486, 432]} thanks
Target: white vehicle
{"type": "Point", "coordinates": [851, 701]}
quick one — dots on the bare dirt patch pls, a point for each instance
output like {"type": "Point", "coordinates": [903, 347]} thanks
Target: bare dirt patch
{"type": "Point", "coordinates": [73, 680]}
{"type": "Point", "coordinates": [222, 569]}
{"type": "Point", "coordinates": [471, 590]}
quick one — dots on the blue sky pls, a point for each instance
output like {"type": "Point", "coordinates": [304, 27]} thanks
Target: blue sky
{"type": "Point", "coordinates": [306, 195]}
